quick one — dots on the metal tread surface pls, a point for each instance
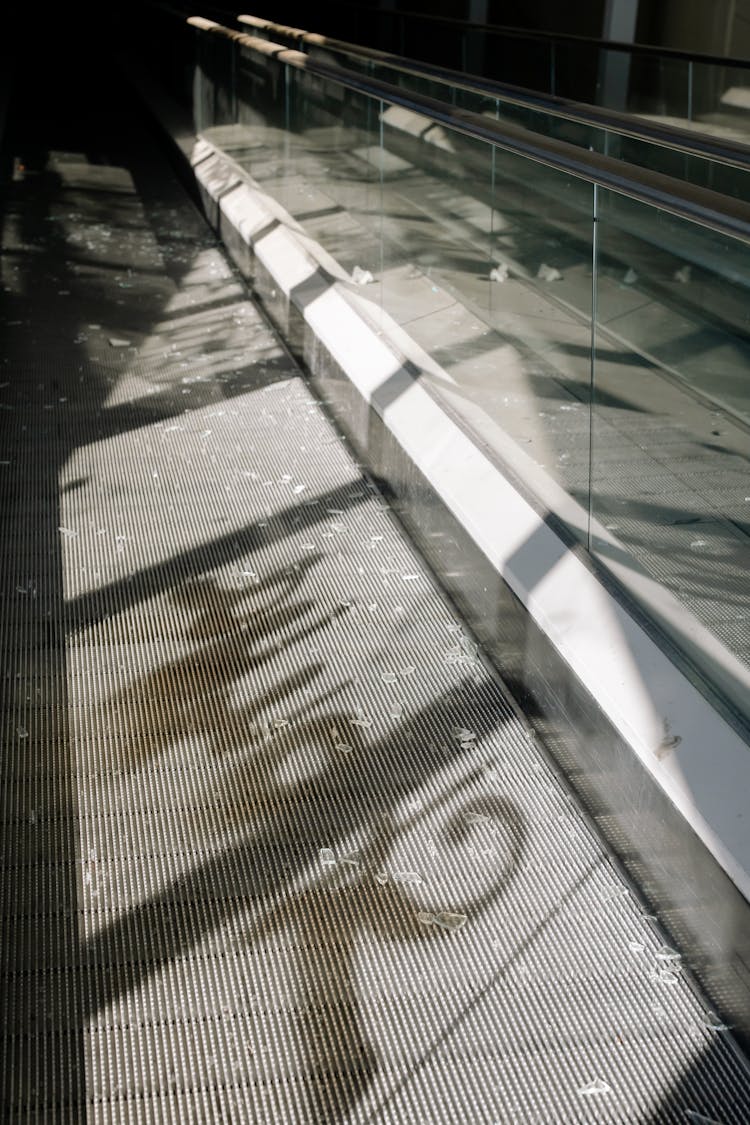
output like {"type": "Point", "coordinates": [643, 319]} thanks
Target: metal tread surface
{"type": "Point", "coordinates": [277, 846]}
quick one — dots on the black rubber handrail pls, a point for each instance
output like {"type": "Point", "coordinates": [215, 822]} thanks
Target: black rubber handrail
{"type": "Point", "coordinates": [556, 36]}
{"type": "Point", "coordinates": [649, 49]}
{"type": "Point", "coordinates": [710, 209]}
{"type": "Point", "coordinates": [688, 141]}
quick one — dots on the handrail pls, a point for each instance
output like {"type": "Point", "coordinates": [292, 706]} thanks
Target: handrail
{"type": "Point", "coordinates": [683, 140]}
{"type": "Point", "coordinates": [722, 214]}
{"type": "Point", "coordinates": [559, 36]}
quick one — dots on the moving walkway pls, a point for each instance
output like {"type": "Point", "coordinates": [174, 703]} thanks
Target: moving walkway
{"type": "Point", "coordinates": [312, 808]}
{"type": "Point", "coordinates": [543, 297]}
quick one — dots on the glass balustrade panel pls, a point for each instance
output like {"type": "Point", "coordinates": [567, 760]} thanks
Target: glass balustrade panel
{"type": "Point", "coordinates": [670, 485]}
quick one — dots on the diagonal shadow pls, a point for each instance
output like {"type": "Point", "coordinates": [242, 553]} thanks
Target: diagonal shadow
{"type": "Point", "coordinates": [87, 609]}
{"type": "Point", "coordinates": [263, 881]}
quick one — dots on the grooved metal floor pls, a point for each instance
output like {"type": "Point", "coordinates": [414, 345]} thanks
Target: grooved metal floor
{"type": "Point", "coordinates": [276, 847]}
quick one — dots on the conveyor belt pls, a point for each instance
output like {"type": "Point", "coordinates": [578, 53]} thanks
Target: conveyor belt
{"type": "Point", "coordinates": [277, 846]}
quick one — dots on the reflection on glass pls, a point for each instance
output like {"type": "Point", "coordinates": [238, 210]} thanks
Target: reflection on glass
{"type": "Point", "coordinates": [313, 148]}
{"type": "Point", "coordinates": [671, 430]}
{"type": "Point", "coordinates": [214, 81]}
{"type": "Point", "coordinates": [487, 266]}
{"type": "Point", "coordinates": [487, 261]}
{"type": "Point", "coordinates": [610, 78]}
